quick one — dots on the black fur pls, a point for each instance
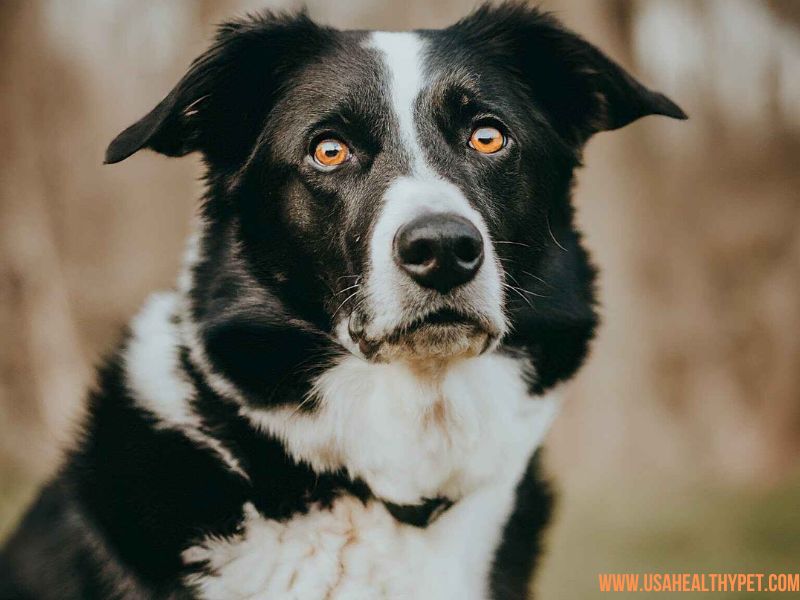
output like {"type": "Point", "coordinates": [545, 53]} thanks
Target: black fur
{"type": "Point", "coordinates": [282, 243]}
{"type": "Point", "coordinates": [517, 554]}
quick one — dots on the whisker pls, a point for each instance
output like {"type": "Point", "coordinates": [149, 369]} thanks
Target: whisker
{"type": "Point", "coordinates": [529, 274]}
{"type": "Point", "coordinates": [522, 289]}
{"type": "Point", "coordinates": [358, 305]}
{"type": "Point", "coordinates": [515, 243]}
{"type": "Point", "coordinates": [342, 304]}
{"type": "Point", "coordinates": [520, 294]}
{"type": "Point", "coordinates": [507, 260]}
{"type": "Point", "coordinates": [533, 293]}
{"type": "Point", "coordinates": [309, 398]}
{"type": "Point", "coordinates": [355, 285]}
{"type": "Point", "coordinates": [552, 236]}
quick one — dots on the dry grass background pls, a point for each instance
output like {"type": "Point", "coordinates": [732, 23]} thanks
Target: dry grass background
{"type": "Point", "coordinates": [679, 445]}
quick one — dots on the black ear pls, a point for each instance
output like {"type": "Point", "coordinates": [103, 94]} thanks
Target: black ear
{"type": "Point", "coordinates": [580, 89]}
{"type": "Point", "coordinates": [219, 106]}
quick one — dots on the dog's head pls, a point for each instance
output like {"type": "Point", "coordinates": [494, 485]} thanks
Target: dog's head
{"type": "Point", "coordinates": [403, 196]}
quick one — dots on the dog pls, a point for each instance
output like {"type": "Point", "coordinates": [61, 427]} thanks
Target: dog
{"type": "Point", "coordinates": [345, 395]}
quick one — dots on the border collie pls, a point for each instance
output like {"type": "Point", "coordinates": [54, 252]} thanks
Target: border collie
{"type": "Point", "coordinates": [345, 394]}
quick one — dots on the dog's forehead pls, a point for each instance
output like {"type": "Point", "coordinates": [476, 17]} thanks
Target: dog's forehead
{"type": "Point", "coordinates": [368, 73]}
{"type": "Point", "coordinates": [343, 71]}
{"type": "Point", "coordinates": [402, 59]}
{"type": "Point", "coordinates": [422, 65]}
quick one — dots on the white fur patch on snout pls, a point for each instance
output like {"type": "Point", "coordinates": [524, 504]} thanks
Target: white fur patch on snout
{"type": "Point", "coordinates": [394, 298]}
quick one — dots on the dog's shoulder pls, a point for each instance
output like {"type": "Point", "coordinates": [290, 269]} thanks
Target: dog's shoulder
{"type": "Point", "coordinates": [58, 552]}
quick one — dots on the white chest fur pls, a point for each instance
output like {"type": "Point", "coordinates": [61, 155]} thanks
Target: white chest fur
{"type": "Point", "coordinates": [411, 437]}
{"type": "Point", "coordinates": [467, 435]}
{"type": "Point", "coordinates": [353, 551]}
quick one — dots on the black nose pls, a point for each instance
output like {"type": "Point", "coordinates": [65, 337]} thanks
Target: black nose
{"type": "Point", "coordinates": [439, 251]}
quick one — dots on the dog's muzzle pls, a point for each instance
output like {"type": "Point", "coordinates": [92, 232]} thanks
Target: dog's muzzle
{"type": "Point", "coordinates": [433, 286]}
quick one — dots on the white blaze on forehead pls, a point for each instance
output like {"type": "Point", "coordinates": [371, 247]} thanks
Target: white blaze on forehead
{"type": "Point", "coordinates": [403, 58]}
{"type": "Point", "coordinates": [393, 298]}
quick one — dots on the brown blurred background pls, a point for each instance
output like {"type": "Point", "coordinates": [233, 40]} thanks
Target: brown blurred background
{"type": "Point", "coordinates": [679, 446]}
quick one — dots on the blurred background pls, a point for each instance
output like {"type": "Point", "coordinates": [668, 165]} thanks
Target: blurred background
{"type": "Point", "coordinates": [679, 445]}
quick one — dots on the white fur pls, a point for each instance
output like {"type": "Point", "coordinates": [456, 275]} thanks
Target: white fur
{"type": "Point", "coordinates": [355, 551]}
{"type": "Point", "coordinates": [155, 379]}
{"type": "Point", "coordinates": [409, 437]}
{"type": "Point", "coordinates": [396, 299]}
{"type": "Point", "coordinates": [468, 436]}
{"type": "Point", "coordinates": [403, 56]}
{"type": "Point", "coordinates": [393, 298]}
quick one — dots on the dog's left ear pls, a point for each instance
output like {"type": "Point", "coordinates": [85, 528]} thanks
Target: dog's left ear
{"type": "Point", "coordinates": [581, 90]}
{"type": "Point", "coordinates": [219, 106]}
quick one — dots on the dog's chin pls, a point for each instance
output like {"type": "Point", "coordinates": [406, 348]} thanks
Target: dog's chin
{"type": "Point", "coordinates": [434, 343]}
{"type": "Point", "coordinates": [435, 339]}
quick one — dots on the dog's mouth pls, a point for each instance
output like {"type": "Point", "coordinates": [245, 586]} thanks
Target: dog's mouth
{"type": "Point", "coordinates": [440, 334]}
{"type": "Point", "coordinates": [443, 318]}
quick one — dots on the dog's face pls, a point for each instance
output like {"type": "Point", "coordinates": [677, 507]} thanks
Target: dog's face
{"type": "Point", "coordinates": [404, 196]}
{"type": "Point", "coordinates": [390, 199]}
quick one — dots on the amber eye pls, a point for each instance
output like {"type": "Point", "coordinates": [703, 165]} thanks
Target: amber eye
{"type": "Point", "coordinates": [487, 140]}
{"type": "Point", "coordinates": [331, 153]}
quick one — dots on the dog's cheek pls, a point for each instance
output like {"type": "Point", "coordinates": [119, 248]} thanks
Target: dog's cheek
{"type": "Point", "coordinates": [300, 209]}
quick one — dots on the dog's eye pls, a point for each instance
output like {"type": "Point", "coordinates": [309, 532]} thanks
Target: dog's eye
{"type": "Point", "coordinates": [487, 140]}
{"type": "Point", "coordinates": [331, 153]}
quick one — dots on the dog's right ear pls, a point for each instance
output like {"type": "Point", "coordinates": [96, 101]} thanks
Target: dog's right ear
{"type": "Point", "coordinates": [219, 106]}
